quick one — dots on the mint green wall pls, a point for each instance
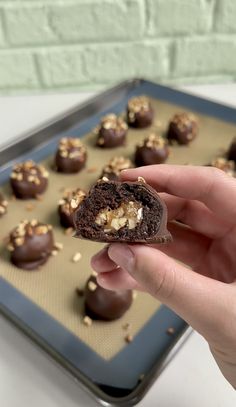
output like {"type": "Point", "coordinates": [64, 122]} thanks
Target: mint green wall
{"type": "Point", "coordinates": [84, 44]}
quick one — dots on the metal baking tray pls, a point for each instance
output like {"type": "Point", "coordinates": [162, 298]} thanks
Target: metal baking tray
{"type": "Point", "coordinates": [116, 381]}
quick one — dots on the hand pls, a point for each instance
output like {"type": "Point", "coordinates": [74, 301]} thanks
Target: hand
{"type": "Point", "coordinates": [203, 199]}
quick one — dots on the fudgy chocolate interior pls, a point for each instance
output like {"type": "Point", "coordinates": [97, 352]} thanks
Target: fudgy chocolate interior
{"type": "Point", "coordinates": [112, 195]}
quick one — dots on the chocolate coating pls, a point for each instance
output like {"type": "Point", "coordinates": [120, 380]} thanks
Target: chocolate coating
{"type": "Point", "coordinates": [111, 132]}
{"type": "Point", "coordinates": [113, 169]}
{"type": "Point", "coordinates": [153, 150]}
{"type": "Point", "coordinates": [183, 128]}
{"type": "Point", "coordinates": [105, 304]}
{"type": "Point", "coordinates": [28, 180]}
{"type": "Point", "coordinates": [3, 205]}
{"type": "Point", "coordinates": [145, 224]}
{"type": "Point", "coordinates": [231, 154]}
{"type": "Point", "coordinates": [71, 156]}
{"type": "Point", "coordinates": [139, 112]}
{"type": "Point", "coordinates": [67, 205]}
{"type": "Point", "coordinates": [30, 244]}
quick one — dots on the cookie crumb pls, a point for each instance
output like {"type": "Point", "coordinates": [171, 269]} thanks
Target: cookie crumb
{"type": "Point", "coordinates": [54, 252]}
{"type": "Point", "coordinates": [30, 207]}
{"type": "Point", "coordinates": [58, 246]}
{"type": "Point", "coordinates": [126, 326]}
{"type": "Point", "coordinates": [134, 295]}
{"type": "Point", "coordinates": [91, 170]}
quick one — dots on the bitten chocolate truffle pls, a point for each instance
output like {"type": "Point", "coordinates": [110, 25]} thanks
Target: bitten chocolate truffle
{"type": "Point", "coordinates": [30, 244]}
{"type": "Point", "coordinates": [183, 128]}
{"type": "Point", "coordinates": [231, 154]}
{"type": "Point", "coordinates": [67, 205]}
{"type": "Point", "coordinates": [228, 166]}
{"type": "Point", "coordinates": [153, 150]}
{"type": "Point", "coordinates": [71, 155]}
{"type": "Point", "coordinates": [3, 205]}
{"type": "Point", "coordinates": [113, 169]}
{"type": "Point", "coordinates": [122, 212]}
{"type": "Point", "coordinates": [111, 132]}
{"type": "Point", "coordinates": [105, 304]}
{"type": "Point", "coordinates": [28, 180]}
{"type": "Point", "coordinates": [139, 112]}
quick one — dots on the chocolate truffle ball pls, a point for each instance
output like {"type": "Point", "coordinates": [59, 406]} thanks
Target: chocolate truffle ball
{"type": "Point", "coordinates": [231, 155]}
{"type": "Point", "coordinates": [139, 112]}
{"type": "Point", "coordinates": [30, 244]}
{"type": "Point", "coordinates": [105, 304]}
{"type": "Point", "coordinates": [113, 169]}
{"type": "Point", "coordinates": [111, 132]}
{"type": "Point", "coordinates": [183, 128]}
{"type": "Point", "coordinates": [122, 212]}
{"type": "Point", "coordinates": [153, 150]}
{"type": "Point", "coordinates": [28, 180]}
{"type": "Point", "coordinates": [67, 205]}
{"type": "Point", "coordinates": [228, 166]}
{"type": "Point", "coordinates": [71, 155]}
{"type": "Point", "coordinates": [3, 205]}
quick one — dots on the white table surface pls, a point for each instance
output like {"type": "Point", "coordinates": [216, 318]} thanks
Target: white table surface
{"type": "Point", "coordinates": [28, 378]}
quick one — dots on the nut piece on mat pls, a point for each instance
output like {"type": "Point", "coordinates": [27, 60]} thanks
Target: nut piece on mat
{"type": "Point", "coordinates": [183, 128]}
{"type": "Point", "coordinates": [139, 112]}
{"type": "Point", "coordinates": [30, 244]}
{"type": "Point", "coordinates": [105, 304]}
{"type": "Point", "coordinates": [3, 205]}
{"type": "Point", "coordinates": [28, 180]}
{"type": "Point", "coordinates": [111, 132]}
{"type": "Point", "coordinates": [231, 154]}
{"type": "Point", "coordinates": [71, 155]}
{"type": "Point", "coordinates": [152, 150]}
{"type": "Point", "coordinates": [68, 204]}
{"type": "Point", "coordinates": [122, 212]}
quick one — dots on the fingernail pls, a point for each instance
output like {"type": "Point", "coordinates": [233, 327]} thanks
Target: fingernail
{"type": "Point", "coordinates": [122, 256]}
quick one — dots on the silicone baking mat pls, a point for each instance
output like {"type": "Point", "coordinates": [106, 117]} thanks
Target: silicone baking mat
{"type": "Point", "coordinates": [51, 290]}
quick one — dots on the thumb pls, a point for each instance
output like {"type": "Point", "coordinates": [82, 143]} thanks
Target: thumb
{"type": "Point", "coordinates": [199, 300]}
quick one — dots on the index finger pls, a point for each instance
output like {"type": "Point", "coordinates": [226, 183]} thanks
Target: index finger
{"type": "Point", "coordinates": [209, 185]}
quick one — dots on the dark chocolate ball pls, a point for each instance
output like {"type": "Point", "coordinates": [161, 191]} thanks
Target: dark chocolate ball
{"type": "Point", "coordinates": [3, 205]}
{"type": "Point", "coordinates": [28, 180]}
{"type": "Point", "coordinates": [71, 155]}
{"type": "Point", "coordinates": [30, 244]}
{"type": "Point", "coordinates": [231, 155]}
{"type": "Point", "coordinates": [68, 204]}
{"type": "Point", "coordinates": [111, 132]}
{"type": "Point", "coordinates": [113, 169]}
{"type": "Point", "coordinates": [183, 128]}
{"type": "Point", "coordinates": [105, 304]}
{"type": "Point", "coordinates": [139, 112]}
{"type": "Point", "coordinates": [153, 150]}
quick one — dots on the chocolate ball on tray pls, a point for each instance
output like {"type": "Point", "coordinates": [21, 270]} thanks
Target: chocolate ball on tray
{"type": "Point", "coordinates": [111, 132]}
{"type": "Point", "coordinates": [183, 128]}
{"type": "Point", "coordinates": [71, 155]}
{"type": "Point", "coordinates": [113, 169]}
{"type": "Point", "coordinates": [139, 112]}
{"type": "Point", "coordinates": [152, 150]}
{"type": "Point", "coordinates": [28, 180]}
{"type": "Point", "coordinates": [68, 204]}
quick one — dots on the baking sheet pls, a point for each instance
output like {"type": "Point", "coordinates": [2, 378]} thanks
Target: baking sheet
{"type": "Point", "coordinates": [121, 371]}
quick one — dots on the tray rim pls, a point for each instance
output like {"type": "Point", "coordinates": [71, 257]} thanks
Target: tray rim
{"type": "Point", "coordinates": [28, 140]}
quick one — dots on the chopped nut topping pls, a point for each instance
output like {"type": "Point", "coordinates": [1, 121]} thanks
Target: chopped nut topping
{"type": "Point", "coordinates": [87, 321]}
{"type": "Point", "coordinates": [71, 200]}
{"type": "Point", "coordinates": [153, 141]}
{"type": "Point", "coordinates": [186, 122]}
{"type": "Point", "coordinates": [139, 104]}
{"type": "Point", "coordinates": [27, 228]}
{"type": "Point", "coordinates": [77, 256]}
{"type": "Point", "coordinates": [227, 166]}
{"type": "Point", "coordinates": [111, 121]}
{"type": "Point", "coordinates": [128, 214]}
{"type": "Point", "coordinates": [141, 179]}
{"type": "Point", "coordinates": [29, 171]}
{"type": "Point", "coordinates": [116, 165]}
{"type": "Point", "coordinates": [71, 147]}
{"type": "Point", "coordinates": [94, 273]}
{"type": "Point", "coordinates": [92, 286]}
